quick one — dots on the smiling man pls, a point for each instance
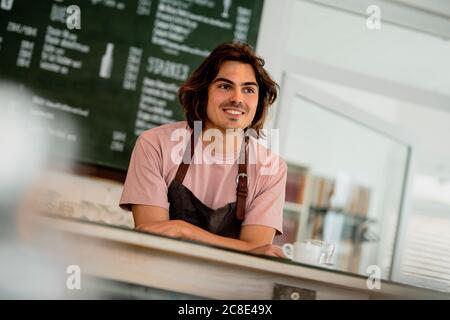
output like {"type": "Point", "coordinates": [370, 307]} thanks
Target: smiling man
{"type": "Point", "coordinates": [232, 203]}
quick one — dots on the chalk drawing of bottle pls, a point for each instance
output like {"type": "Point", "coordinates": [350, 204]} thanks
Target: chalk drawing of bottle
{"type": "Point", "coordinates": [107, 62]}
{"type": "Point", "coordinates": [226, 8]}
{"type": "Point", "coordinates": [7, 4]}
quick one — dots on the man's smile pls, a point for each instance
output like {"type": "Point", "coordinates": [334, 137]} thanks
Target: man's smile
{"type": "Point", "coordinates": [233, 112]}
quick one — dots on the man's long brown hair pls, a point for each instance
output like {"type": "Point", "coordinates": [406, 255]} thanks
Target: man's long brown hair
{"type": "Point", "coordinates": [193, 94]}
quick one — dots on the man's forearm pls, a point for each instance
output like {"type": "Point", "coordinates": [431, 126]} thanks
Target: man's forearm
{"type": "Point", "coordinates": [201, 235]}
{"type": "Point", "coordinates": [184, 230]}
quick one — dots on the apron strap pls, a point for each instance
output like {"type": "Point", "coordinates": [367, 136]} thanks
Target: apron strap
{"type": "Point", "coordinates": [184, 165]}
{"type": "Point", "coordinates": [242, 181]}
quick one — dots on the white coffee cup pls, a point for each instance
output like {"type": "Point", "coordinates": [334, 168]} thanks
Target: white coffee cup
{"type": "Point", "coordinates": [315, 252]}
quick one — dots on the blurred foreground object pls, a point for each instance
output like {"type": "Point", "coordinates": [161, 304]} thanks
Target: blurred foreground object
{"type": "Point", "coordinates": [27, 271]}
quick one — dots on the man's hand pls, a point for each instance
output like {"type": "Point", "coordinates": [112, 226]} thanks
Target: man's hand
{"type": "Point", "coordinates": [269, 250]}
{"type": "Point", "coordinates": [171, 228]}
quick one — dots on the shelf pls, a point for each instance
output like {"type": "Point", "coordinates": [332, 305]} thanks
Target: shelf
{"type": "Point", "coordinates": [292, 206]}
{"type": "Point", "coordinates": [354, 216]}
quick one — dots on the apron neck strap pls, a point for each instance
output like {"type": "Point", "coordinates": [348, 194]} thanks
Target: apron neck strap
{"type": "Point", "coordinates": [184, 165]}
{"type": "Point", "coordinates": [242, 181]}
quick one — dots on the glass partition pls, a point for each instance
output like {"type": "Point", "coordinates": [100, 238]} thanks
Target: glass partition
{"type": "Point", "coordinates": [346, 179]}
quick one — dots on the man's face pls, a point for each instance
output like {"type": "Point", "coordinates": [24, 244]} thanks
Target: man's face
{"type": "Point", "coordinates": [232, 97]}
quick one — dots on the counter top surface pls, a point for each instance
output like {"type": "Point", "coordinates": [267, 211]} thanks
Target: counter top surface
{"type": "Point", "coordinates": [216, 255]}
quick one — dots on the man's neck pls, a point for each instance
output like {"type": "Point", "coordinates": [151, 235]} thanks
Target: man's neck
{"type": "Point", "coordinates": [229, 141]}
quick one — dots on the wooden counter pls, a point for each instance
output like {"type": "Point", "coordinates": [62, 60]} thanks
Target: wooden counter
{"type": "Point", "coordinates": [205, 271]}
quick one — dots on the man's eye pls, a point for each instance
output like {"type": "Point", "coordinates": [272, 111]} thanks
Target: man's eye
{"type": "Point", "coordinates": [224, 86]}
{"type": "Point", "coordinates": [249, 90]}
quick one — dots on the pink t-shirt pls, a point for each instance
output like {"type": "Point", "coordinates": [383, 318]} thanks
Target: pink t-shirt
{"type": "Point", "coordinates": [155, 160]}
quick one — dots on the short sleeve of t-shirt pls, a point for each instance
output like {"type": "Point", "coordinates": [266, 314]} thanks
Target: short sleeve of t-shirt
{"type": "Point", "coordinates": [267, 207]}
{"type": "Point", "coordinates": [145, 183]}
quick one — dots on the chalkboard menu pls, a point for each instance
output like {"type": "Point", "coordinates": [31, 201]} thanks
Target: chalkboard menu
{"type": "Point", "coordinates": [101, 72]}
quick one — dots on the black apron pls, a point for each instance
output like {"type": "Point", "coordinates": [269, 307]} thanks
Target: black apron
{"type": "Point", "coordinates": [184, 205]}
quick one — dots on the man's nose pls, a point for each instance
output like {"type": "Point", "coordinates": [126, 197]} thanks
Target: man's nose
{"type": "Point", "coordinates": [237, 96]}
